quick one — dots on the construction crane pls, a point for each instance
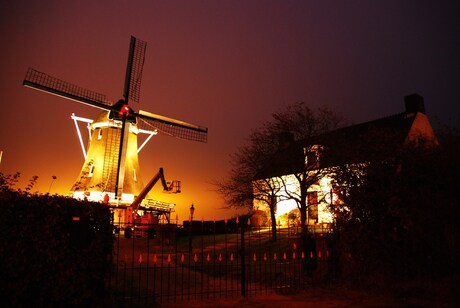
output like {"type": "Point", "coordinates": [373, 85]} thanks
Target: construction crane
{"type": "Point", "coordinates": [138, 200]}
{"type": "Point", "coordinates": [143, 224]}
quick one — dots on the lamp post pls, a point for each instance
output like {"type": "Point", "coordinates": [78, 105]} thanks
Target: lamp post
{"type": "Point", "coordinates": [52, 180]}
{"type": "Point", "coordinates": [192, 210]}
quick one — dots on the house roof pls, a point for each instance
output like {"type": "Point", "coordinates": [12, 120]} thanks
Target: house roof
{"type": "Point", "coordinates": [349, 144]}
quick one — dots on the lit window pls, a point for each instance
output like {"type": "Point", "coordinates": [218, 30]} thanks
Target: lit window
{"type": "Point", "coordinates": [312, 199]}
{"type": "Point", "coordinates": [99, 134]}
{"type": "Point", "coordinates": [312, 156]}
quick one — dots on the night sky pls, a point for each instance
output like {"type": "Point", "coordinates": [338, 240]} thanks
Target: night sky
{"type": "Point", "coordinates": [226, 65]}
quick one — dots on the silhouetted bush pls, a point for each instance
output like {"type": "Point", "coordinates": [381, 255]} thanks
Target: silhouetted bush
{"type": "Point", "coordinates": [55, 250]}
{"type": "Point", "coordinates": [400, 222]}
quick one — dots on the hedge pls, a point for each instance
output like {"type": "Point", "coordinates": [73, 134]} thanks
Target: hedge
{"type": "Point", "coordinates": [55, 250]}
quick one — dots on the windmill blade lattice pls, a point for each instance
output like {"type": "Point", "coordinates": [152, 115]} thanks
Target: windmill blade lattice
{"type": "Point", "coordinates": [181, 130]}
{"type": "Point", "coordinates": [46, 83]}
{"type": "Point", "coordinates": [136, 59]}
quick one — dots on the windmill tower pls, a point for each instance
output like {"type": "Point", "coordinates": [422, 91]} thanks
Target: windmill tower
{"type": "Point", "coordinates": [111, 164]}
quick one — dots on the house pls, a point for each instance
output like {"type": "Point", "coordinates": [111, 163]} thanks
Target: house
{"type": "Point", "coordinates": [316, 155]}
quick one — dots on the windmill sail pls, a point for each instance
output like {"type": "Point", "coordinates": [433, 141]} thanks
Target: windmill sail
{"type": "Point", "coordinates": [49, 84]}
{"type": "Point", "coordinates": [172, 127]}
{"type": "Point", "coordinates": [134, 69]}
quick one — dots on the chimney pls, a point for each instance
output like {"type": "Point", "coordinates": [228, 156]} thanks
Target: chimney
{"type": "Point", "coordinates": [414, 103]}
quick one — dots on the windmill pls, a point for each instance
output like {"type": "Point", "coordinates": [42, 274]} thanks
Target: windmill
{"type": "Point", "coordinates": [111, 167]}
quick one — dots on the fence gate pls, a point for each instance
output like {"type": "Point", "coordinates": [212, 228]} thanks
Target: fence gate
{"type": "Point", "coordinates": [212, 260]}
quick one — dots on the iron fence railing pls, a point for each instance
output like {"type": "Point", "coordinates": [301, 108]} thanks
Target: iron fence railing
{"type": "Point", "coordinates": [168, 263]}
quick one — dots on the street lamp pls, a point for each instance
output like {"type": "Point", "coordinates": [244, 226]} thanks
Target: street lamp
{"type": "Point", "coordinates": [52, 180]}
{"type": "Point", "coordinates": [192, 210]}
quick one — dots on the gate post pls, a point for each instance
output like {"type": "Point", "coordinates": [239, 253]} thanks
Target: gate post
{"type": "Point", "coordinates": [243, 264]}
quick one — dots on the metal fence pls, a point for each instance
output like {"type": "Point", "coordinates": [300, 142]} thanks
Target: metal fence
{"type": "Point", "coordinates": [211, 260]}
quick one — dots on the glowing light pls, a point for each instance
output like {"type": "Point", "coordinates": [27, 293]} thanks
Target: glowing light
{"type": "Point", "coordinates": [287, 205]}
{"type": "Point", "coordinates": [98, 196]}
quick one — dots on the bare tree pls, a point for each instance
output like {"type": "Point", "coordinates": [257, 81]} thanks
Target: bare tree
{"type": "Point", "coordinates": [304, 159]}
{"type": "Point", "coordinates": [239, 188]}
{"type": "Point", "coordinates": [278, 148]}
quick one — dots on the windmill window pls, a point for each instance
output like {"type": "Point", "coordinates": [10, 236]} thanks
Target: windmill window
{"type": "Point", "coordinates": [91, 170]}
{"type": "Point", "coordinates": [99, 134]}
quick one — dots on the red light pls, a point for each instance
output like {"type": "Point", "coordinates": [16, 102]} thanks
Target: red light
{"type": "Point", "coordinates": [124, 111]}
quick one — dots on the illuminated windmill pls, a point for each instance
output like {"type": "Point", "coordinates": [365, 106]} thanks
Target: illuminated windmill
{"type": "Point", "coordinates": [111, 164]}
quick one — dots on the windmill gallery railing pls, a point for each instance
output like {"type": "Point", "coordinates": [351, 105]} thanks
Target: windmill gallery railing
{"type": "Point", "coordinates": [213, 260]}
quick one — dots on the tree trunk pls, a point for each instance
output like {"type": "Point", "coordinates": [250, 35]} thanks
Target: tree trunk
{"type": "Point", "coordinates": [303, 207]}
{"type": "Point", "coordinates": [303, 219]}
{"type": "Point", "coordinates": [272, 217]}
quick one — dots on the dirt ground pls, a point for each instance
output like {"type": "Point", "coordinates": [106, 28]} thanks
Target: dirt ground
{"type": "Point", "coordinates": [323, 297]}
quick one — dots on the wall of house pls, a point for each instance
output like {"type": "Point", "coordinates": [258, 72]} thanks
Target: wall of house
{"type": "Point", "coordinates": [286, 206]}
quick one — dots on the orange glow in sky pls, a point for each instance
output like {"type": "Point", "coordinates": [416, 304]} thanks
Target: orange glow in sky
{"type": "Point", "coordinates": [225, 65]}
